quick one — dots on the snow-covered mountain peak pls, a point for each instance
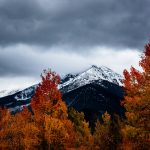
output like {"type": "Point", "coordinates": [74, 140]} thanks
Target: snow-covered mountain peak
{"type": "Point", "coordinates": [90, 75]}
{"type": "Point", "coordinates": [72, 81]}
{"type": "Point", "coordinates": [101, 73]}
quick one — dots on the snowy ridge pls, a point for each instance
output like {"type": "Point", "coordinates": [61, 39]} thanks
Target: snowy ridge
{"type": "Point", "coordinates": [92, 74]}
{"type": "Point", "coordinates": [23, 94]}
{"type": "Point", "coordinates": [9, 92]}
{"type": "Point", "coordinates": [19, 98]}
{"type": "Point", "coordinates": [26, 94]}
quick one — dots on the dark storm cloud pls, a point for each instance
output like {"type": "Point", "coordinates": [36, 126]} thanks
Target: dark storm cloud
{"type": "Point", "coordinates": [114, 23]}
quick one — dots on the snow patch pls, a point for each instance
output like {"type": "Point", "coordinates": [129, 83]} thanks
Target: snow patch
{"type": "Point", "coordinates": [26, 94]}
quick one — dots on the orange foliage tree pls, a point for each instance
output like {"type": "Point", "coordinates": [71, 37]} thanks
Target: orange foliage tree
{"type": "Point", "coordinates": [18, 131]}
{"type": "Point", "coordinates": [46, 126]}
{"type": "Point", "coordinates": [50, 114]}
{"type": "Point", "coordinates": [137, 103]}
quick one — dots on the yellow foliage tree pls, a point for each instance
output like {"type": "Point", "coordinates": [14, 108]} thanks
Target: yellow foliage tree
{"type": "Point", "coordinates": [101, 138]}
{"type": "Point", "coordinates": [84, 138]}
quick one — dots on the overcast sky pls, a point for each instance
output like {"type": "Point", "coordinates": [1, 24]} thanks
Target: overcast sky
{"type": "Point", "coordinates": [69, 36]}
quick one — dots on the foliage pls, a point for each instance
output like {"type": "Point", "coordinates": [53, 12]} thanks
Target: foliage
{"type": "Point", "coordinates": [18, 131]}
{"type": "Point", "coordinates": [107, 134]}
{"type": "Point", "coordinates": [81, 127]}
{"type": "Point", "coordinates": [46, 127]}
{"type": "Point", "coordinates": [50, 114]}
{"type": "Point", "coordinates": [50, 125]}
{"type": "Point", "coordinates": [137, 103]}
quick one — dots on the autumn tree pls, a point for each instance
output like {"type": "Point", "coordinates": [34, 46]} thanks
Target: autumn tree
{"type": "Point", "coordinates": [114, 132]}
{"type": "Point", "coordinates": [4, 130]}
{"type": "Point", "coordinates": [50, 114]}
{"type": "Point", "coordinates": [101, 138]}
{"type": "Point", "coordinates": [84, 137]}
{"type": "Point", "coordinates": [137, 103]}
{"type": "Point", "coordinates": [45, 126]}
{"type": "Point", "coordinates": [107, 133]}
{"type": "Point", "coordinates": [47, 99]}
{"type": "Point", "coordinates": [18, 131]}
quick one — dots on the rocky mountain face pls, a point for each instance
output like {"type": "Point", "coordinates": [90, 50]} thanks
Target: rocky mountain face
{"type": "Point", "coordinates": [15, 100]}
{"type": "Point", "coordinates": [94, 91]}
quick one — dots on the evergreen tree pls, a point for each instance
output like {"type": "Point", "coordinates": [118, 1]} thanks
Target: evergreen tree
{"type": "Point", "coordinates": [84, 137]}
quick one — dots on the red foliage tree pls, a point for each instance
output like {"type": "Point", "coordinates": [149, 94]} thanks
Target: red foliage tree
{"type": "Point", "coordinates": [50, 113]}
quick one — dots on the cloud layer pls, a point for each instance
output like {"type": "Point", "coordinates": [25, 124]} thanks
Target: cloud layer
{"type": "Point", "coordinates": [69, 36]}
{"type": "Point", "coordinates": [22, 66]}
{"type": "Point", "coordinates": [117, 23]}
{"type": "Point", "coordinates": [28, 60]}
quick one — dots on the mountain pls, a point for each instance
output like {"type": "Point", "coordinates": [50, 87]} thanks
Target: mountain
{"type": "Point", "coordinates": [71, 82]}
{"type": "Point", "coordinates": [93, 91]}
{"type": "Point", "coordinates": [15, 100]}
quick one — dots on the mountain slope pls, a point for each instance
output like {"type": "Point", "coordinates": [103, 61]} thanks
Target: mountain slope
{"type": "Point", "coordinates": [17, 99]}
{"type": "Point", "coordinates": [94, 91]}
